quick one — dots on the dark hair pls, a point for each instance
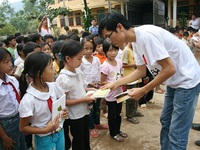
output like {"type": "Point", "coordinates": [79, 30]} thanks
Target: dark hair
{"type": "Point", "coordinates": [45, 43]}
{"type": "Point", "coordinates": [3, 53]}
{"type": "Point", "coordinates": [1, 44]}
{"type": "Point", "coordinates": [19, 48]}
{"type": "Point", "coordinates": [34, 65]}
{"type": "Point", "coordinates": [19, 39]}
{"type": "Point", "coordinates": [18, 34]}
{"type": "Point", "coordinates": [98, 41]}
{"type": "Point", "coordinates": [90, 39]}
{"type": "Point", "coordinates": [56, 47]}
{"type": "Point", "coordinates": [106, 47]}
{"type": "Point", "coordinates": [75, 37]}
{"type": "Point", "coordinates": [110, 21]}
{"type": "Point", "coordinates": [35, 37]}
{"type": "Point", "coordinates": [29, 47]}
{"type": "Point", "coordinates": [48, 36]}
{"type": "Point", "coordinates": [85, 33]}
{"type": "Point", "coordinates": [185, 34]}
{"type": "Point", "coordinates": [26, 40]}
{"type": "Point", "coordinates": [9, 38]}
{"type": "Point", "coordinates": [63, 37]}
{"type": "Point", "coordinates": [69, 48]}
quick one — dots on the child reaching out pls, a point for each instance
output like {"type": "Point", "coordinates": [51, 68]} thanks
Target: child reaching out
{"type": "Point", "coordinates": [71, 80]}
{"type": "Point", "coordinates": [10, 136]}
{"type": "Point", "coordinates": [36, 105]}
{"type": "Point", "coordinates": [110, 72]}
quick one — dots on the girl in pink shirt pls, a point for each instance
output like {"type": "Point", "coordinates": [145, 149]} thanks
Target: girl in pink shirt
{"type": "Point", "coordinates": [110, 72]}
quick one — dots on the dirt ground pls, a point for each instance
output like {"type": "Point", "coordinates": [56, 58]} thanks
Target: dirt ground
{"type": "Point", "coordinates": [145, 135]}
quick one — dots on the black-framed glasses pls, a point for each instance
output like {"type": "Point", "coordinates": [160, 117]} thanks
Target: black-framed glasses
{"type": "Point", "coordinates": [108, 37]}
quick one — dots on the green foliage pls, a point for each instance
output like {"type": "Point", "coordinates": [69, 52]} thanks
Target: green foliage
{"type": "Point", "coordinates": [6, 11]}
{"type": "Point", "coordinates": [182, 18]}
{"type": "Point", "coordinates": [86, 17]}
{"type": "Point", "coordinates": [8, 29]}
{"type": "Point", "coordinates": [20, 24]}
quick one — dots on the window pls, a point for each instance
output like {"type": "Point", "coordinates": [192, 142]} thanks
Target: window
{"type": "Point", "coordinates": [71, 20]}
{"type": "Point", "coordinates": [62, 22]}
{"type": "Point", "coordinates": [78, 19]}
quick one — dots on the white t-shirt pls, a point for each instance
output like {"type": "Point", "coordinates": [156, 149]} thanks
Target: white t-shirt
{"type": "Point", "coordinates": [18, 61]}
{"type": "Point", "coordinates": [91, 70]}
{"type": "Point", "coordinates": [8, 102]}
{"type": "Point", "coordinates": [44, 32]}
{"type": "Point", "coordinates": [194, 23]}
{"type": "Point", "coordinates": [154, 43]}
{"type": "Point", "coordinates": [34, 103]}
{"type": "Point", "coordinates": [73, 85]}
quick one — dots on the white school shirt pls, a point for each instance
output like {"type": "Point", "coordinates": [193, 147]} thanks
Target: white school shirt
{"type": "Point", "coordinates": [44, 32]}
{"type": "Point", "coordinates": [91, 70]}
{"type": "Point", "coordinates": [154, 43]}
{"type": "Point", "coordinates": [18, 61]}
{"type": "Point", "coordinates": [8, 102]}
{"type": "Point", "coordinates": [34, 103]}
{"type": "Point", "coordinates": [72, 84]}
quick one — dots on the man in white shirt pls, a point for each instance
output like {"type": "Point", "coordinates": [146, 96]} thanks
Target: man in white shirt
{"type": "Point", "coordinates": [194, 23]}
{"type": "Point", "coordinates": [169, 60]}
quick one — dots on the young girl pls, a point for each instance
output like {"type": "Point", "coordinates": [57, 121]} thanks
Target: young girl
{"type": "Point", "coordinates": [36, 105]}
{"type": "Point", "coordinates": [46, 48]}
{"type": "Point", "coordinates": [90, 66]}
{"type": "Point", "coordinates": [110, 72]}
{"type": "Point", "coordinates": [10, 136]}
{"type": "Point", "coordinates": [57, 67]}
{"type": "Point", "coordinates": [71, 80]}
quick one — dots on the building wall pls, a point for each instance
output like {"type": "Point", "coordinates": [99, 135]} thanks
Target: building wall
{"type": "Point", "coordinates": [98, 8]}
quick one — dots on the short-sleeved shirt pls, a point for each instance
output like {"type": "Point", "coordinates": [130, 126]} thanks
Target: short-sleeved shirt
{"type": "Point", "coordinates": [91, 70]}
{"type": "Point", "coordinates": [73, 85]}
{"type": "Point", "coordinates": [101, 58]}
{"type": "Point", "coordinates": [44, 32]}
{"type": "Point", "coordinates": [8, 102]}
{"type": "Point", "coordinates": [113, 73]}
{"type": "Point", "coordinates": [34, 104]}
{"type": "Point", "coordinates": [154, 43]}
{"type": "Point", "coordinates": [127, 58]}
{"type": "Point", "coordinates": [93, 30]}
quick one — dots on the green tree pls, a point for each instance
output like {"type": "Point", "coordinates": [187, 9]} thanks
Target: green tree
{"type": "Point", "coordinates": [182, 18]}
{"type": "Point", "coordinates": [86, 17]}
{"type": "Point", "coordinates": [7, 29]}
{"type": "Point", "coordinates": [6, 11]}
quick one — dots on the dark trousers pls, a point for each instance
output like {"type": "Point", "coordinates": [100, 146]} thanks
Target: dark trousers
{"type": "Point", "coordinates": [66, 133]}
{"type": "Point", "coordinates": [114, 118]}
{"type": "Point", "coordinates": [94, 117]}
{"type": "Point", "coordinates": [131, 105]}
{"type": "Point", "coordinates": [80, 133]}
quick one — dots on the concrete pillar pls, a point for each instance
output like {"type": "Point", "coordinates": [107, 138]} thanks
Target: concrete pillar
{"type": "Point", "coordinates": [122, 7]}
{"type": "Point", "coordinates": [169, 13]}
{"type": "Point", "coordinates": [174, 12]}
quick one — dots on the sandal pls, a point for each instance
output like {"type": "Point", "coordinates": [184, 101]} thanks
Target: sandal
{"type": "Point", "coordinates": [118, 138]}
{"type": "Point", "coordinates": [123, 135]}
{"type": "Point", "coordinates": [94, 133]}
{"type": "Point", "coordinates": [101, 126]}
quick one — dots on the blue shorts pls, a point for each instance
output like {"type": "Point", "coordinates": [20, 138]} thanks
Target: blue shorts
{"type": "Point", "coordinates": [54, 141]}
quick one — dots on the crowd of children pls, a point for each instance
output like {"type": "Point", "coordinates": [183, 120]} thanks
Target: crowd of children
{"type": "Point", "coordinates": [41, 69]}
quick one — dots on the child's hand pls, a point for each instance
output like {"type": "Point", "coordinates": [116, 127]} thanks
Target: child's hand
{"type": "Point", "coordinates": [88, 98]}
{"type": "Point", "coordinates": [64, 114]}
{"type": "Point", "coordinates": [52, 125]}
{"type": "Point", "coordinates": [8, 143]}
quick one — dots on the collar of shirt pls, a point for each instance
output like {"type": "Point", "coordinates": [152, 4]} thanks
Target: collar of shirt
{"type": "Point", "coordinates": [38, 94]}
